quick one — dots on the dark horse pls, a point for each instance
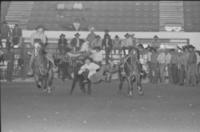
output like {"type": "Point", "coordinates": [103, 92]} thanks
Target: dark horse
{"type": "Point", "coordinates": [42, 69]}
{"type": "Point", "coordinates": [63, 63]}
{"type": "Point", "coordinates": [130, 70]}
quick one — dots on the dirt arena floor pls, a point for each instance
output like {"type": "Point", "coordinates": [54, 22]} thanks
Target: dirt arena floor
{"type": "Point", "coordinates": [163, 108]}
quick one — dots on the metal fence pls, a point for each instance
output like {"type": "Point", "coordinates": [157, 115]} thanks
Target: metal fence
{"type": "Point", "coordinates": [21, 58]}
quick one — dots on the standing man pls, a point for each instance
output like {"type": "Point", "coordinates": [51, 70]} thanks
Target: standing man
{"type": "Point", "coordinates": [97, 42]}
{"type": "Point", "coordinates": [192, 60]}
{"type": "Point", "coordinates": [91, 36]}
{"type": "Point", "coordinates": [173, 67]}
{"type": "Point", "coordinates": [76, 42]}
{"type": "Point", "coordinates": [107, 46]}
{"type": "Point", "coordinates": [16, 35]}
{"type": "Point", "coordinates": [5, 33]}
{"type": "Point", "coordinates": [10, 64]}
{"type": "Point", "coordinates": [62, 44]}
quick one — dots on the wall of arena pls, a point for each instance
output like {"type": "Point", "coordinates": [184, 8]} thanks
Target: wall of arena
{"type": "Point", "coordinates": [193, 36]}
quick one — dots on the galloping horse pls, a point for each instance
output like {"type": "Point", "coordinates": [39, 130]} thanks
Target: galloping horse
{"type": "Point", "coordinates": [42, 69]}
{"type": "Point", "coordinates": [130, 70]}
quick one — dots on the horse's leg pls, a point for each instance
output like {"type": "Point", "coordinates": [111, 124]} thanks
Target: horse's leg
{"type": "Point", "coordinates": [82, 84]}
{"type": "Point", "coordinates": [44, 84]}
{"type": "Point", "coordinates": [75, 79]}
{"type": "Point", "coordinates": [130, 87]}
{"type": "Point", "coordinates": [50, 81]}
{"type": "Point", "coordinates": [89, 88]}
{"type": "Point", "coordinates": [38, 83]}
{"type": "Point", "coordinates": [139, 85]}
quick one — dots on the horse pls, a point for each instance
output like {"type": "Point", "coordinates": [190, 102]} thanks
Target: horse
{"type": "Point", "coordinates": [63, 64]}
{"type": "Point", "coordinates": [42, 69]}
{"type": "Point", "coordinates": [130, 70]}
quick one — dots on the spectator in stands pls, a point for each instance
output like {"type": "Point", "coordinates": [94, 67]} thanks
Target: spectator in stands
{"type": "Point", "coordinates": [37, 36]}
{"type": "Point", "coordinates": [16, 35]}
{"type": "Point", "coordinates": [91, 36]}
{"type": "Point", "coordinates": [97, 42]}
{"type": "Point", "coordinates": [76, 42]}
{"type": "Point", "coordinates": [192, 60]}
{"type": "Point", "coordinates": [107, 46]}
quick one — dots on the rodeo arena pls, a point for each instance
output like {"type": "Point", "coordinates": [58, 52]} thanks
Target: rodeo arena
{"type": "Point", "coordinates": [100, 66]}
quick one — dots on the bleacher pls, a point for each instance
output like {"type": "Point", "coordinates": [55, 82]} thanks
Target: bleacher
{"type": "Point", "coordinates": [117, 16]}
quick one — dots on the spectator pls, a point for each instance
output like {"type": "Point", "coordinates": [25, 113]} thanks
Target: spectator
{"type": "Point", "coordinates": [181, 67]}
{"type": "Point", "coordinates": [5, 31]}
{"type": "Point", "coordinates": [198, 66]}
{"type": "Point", "coordinates": [10, 64]}
{"type": "Point", "coordinates": [106, 32]}
{"type": "Point", "coordinates": [192, 60]}
{"type": "Point", "coordinates": [97, 42]}
{"type": "Point", "coordinates": [133, 40]}
{"type": "Point", "coordinates": [107, 46]}
{"type": "Point", "coordinates": [164, 59]}
{"type": "Point", "coordinates": [16, 35]}
{"type": "Point", "coordinates": [62, 44]}
{"type": "Point", "coordinates": [155, 42]}
{"type": "Point", "coordinates": [76, 42]}
{"type": "Point", "coordinates": [116, 43]}
{"type": "Point", "coordinates": [91, 36]}
{"type": "Point", "coordinates": [154, 70]}
{"type": "Point", "coordinates": [185, 59]}
{"type": "Point", "coordinates": [173, 67]}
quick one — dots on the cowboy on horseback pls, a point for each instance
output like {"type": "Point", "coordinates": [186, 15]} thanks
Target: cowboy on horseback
{"type": "Point", "coordinates": [38, 39]}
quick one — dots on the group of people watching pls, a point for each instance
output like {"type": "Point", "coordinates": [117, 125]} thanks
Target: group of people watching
{"type": "Point", "coordinates": [180, 66]}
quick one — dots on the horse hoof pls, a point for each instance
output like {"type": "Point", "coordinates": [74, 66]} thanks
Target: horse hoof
{"type": "Point", "coordinates": [140, 91]}
{"type": "Point", "coordinates": [48, 90]}
{"type": "Point", "coordinates": [130, 93]}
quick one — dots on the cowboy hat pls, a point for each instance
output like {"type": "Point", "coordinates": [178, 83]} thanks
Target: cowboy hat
{"type": "Point", "coordinates": [40, 26]}
{"type": "Point", "coordinates": [191, 47]}
{"type": "Point", "coordinates": [62, 35]}
{"type": "Point", "coordinates": [77, 34]}
{"type": "Point", "coordinates": [92, 28]}
{"type": "Point", "coordinates": [126, 35]}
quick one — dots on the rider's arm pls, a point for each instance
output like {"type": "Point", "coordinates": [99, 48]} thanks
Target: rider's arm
{"type": "Point", "coordinates": [82, 69]}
